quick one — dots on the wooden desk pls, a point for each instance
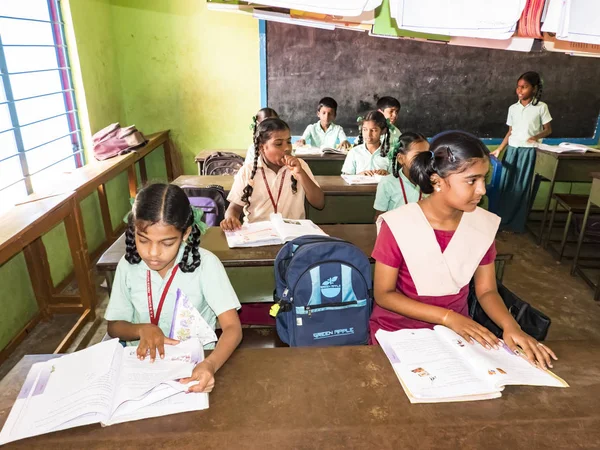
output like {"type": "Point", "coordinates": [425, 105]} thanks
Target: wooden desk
{"type": "Point", "coordinates": [21, 229]}
{"type": "Point", "coordinates": [94, 176]}
{"type": "Point", "coordinates": [349, 398]}
{"type": "Point", "coordinates": [556, 167]}
{"type": "Point", "coordinates": [250, 270]}
{"type": "Point", "coordinates": [328, 164]}
{"type": "Point", "coordinates": [344, 203]}
{"type": "Point", "coordinates": [593, 200]}
{"type": "Point", "coordinates": [363, 236]}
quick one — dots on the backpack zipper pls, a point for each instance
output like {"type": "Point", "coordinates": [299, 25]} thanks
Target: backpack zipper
{"type": "Point", "coordinates": [328, 305]}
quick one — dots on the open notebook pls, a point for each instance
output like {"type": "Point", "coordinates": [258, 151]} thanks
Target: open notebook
{"type": "Point", "coordinates": [105, 384]}
{"type": "Point", "coordinates": [362, 179]}
{"type": "Point", "coordinates": [439, 366]}
{"type": "Point", "coordinates": [566, 147]}
{"type": "Point", "coordinates": [276, 231]}
{"type": "Point", "coordinates": [308, 150]}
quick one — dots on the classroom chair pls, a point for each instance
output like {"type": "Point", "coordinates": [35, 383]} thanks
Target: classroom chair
{"type": "Point", "coordinates": [572, 204]}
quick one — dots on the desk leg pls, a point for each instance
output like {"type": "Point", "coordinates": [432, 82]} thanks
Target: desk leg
{"type": "Point", "coordinates": [132, 177]}
{"type": "Point", "coordinates": [546, 207]}
{"type": "Point", "coordinates": [81, 262]}
{"type": "Point", "coordinates": [39, 274]}
{"type": "Point", "coordinates": [581, 236]}
{"type": "Point", "coordinates": [105, 211]}
{"type": "Point", "coordinates": [143, 172]}
{"type": "Point", "coordinates": [169, 155]}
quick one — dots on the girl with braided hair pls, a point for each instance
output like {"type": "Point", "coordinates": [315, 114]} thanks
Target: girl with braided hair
{"type": "Point", "coordinates": [163, 256]}
{"type": "Point", "coordinates": [528, 122]}
{"type": "Point", "coordinates": [398, 189]}
{"type": "Point", "coordinates": [262, 114]}
{"type": "Point", "coordinates": [274, 182]}
{"type": "Point", "coordinates": [369, 155]}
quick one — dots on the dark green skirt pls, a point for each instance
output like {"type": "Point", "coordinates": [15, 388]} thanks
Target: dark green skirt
{"type": "Point", "coordinates": [515, 194]}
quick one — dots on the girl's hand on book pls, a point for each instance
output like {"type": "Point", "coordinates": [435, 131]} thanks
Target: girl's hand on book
{"type": "Point", "coordinates": [368, 173]}
{"type": "Point", "coordinates": [153, 339]}
{"type": "Point", "coordinates": [381, 172]}
{"type": "Point", "coordinates": [537, 353]}
{"type": "Point", "coordinates": [204, 374]}
{"type": "Point", "coordinates": [231, 224]}
{"type": "Point", "coordinates": [345, 145]}
{"type": "Point", "coordinates": [468, 329]}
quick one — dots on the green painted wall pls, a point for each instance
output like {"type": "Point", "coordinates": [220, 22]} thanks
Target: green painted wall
{"type": "Point", "coordinates": [161, 65]}
{"type": "Point", "coordinates": [193, 71]}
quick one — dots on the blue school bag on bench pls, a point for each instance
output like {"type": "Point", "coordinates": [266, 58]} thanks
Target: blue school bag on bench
{"type": "Point", "coordinates": [324, 292]}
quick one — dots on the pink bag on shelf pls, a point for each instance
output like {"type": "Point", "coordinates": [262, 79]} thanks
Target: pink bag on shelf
{"type": "Point", "coordinates": [114, 140]}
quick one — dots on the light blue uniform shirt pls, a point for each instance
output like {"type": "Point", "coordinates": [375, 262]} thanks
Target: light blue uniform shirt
{"type": "Point", "coordinates": [389, 193]}
{"type": "Point", "coordinates": [526, 121]}
{"type": "Point", "coordinates": [316, 137]}
{"type": "Point", "coordinates": [360, 159]}
{"type": "Point", "coordinates": [207, 287]}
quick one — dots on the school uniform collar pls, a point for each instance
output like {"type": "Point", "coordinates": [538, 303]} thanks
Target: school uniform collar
{"type": "Point", "coordinates": [364, 146]}
{"type": "Point", "coordinates": [406, 179]}
{"type": "Point", "coordinates": [320, 129]}
{"type": "Point", "coordinates": [261, 165]}
{"type": "Point", "coordinates": [525, 106]}
{"type": "Point", "coordinates": [142, 265]}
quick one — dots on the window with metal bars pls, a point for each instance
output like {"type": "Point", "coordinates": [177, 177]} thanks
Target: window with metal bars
{"type": "Point", "coordinates": [39, 126]}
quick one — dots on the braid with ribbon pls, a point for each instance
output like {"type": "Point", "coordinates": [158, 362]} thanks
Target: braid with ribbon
{"type": "Point", "coordinates": [359, 139]}
{"type": "Point", "coordinates": [193, 242]}
{"type": "Point", "coordinates": [249, 189]}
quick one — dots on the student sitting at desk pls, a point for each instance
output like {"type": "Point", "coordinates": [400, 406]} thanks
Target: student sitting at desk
{"type": "Point", "coordinates": [262, 114]}
{"type": "Point", "coordinates": [163, 256]}
{"type": "Point", "coordinates": [397, 189]}
{"type": "Point", "coordinates": [390, 108]}
{"type": "Point", "coordinates": [325, 133]}
{"type": "Point", "coordinates": [369, 155]}
{"type": "Point", "coordinates": [427, 252]}
{"type": "Point", "coordinates": [275, 181]}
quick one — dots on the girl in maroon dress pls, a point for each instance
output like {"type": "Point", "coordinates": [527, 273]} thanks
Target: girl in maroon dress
{"type": "Point", "coordinates": [427, 252]}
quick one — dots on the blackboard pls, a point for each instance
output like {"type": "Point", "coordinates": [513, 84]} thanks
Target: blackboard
{"type": "Point", "coordinates": [440, 86]}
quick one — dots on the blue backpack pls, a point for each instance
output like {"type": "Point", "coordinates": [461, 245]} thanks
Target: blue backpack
{"type": "Point", "coordinates": [324, 290]}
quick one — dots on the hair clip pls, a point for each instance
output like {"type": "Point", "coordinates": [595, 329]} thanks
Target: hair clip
{"type": "Point", "coordinates": [451, 156]}
{"type": "Point", "coordinates": [359, 119]}
{"type": "Point", "coordinates": [432, 154]}
{"type": "Point", "coordinates": [131, 202]}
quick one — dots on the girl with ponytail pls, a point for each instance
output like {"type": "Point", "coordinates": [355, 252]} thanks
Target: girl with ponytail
{"type": "Point", "coordinates": [275, 181]}
{"type": "Point", "coordinates": [398, 189]}
{"type": "Point", "coordinates": [163, 256]}
{"type": "Point", "coordinates": [528, 122]}
{"type": "Point", "coordinates": [427, 252]}
{"type": "Point", "coordinates": [370, 154]}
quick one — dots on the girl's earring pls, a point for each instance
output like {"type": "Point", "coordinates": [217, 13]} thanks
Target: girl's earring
{"type": "Point", "coordinates": [438, 189]}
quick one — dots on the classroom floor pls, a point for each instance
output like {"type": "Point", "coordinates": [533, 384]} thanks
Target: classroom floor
{"type": "Point", "coordinates": [533, 275]}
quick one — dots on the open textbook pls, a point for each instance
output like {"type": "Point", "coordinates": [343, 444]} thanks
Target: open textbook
{"type": "Point", "coordinates": [307, 150]}
{"type": "Point", "coordinates": [275, 231]}
{"type": "Point", "coordinates": [362, 179]}
{"type": "Point", "coordinates": [440, 366]}
{"type": "Point", "coordinates": [566, 147]}
{"type": "Point", "coordinates": [106, 384]}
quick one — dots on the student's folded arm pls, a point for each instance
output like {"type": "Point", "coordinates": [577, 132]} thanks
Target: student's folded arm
{"type": "Point", "coordinates": [489, 298]}
{"type": "Point", "coordinates": [314, 194]}
{"type": "Point", "coordinates": [389, 298]}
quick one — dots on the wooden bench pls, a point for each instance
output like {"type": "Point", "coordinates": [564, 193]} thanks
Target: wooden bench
{"type": "Point", "coordinates": [21, 229]}
{"type": "Point", "coordinates": [344, 203]}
